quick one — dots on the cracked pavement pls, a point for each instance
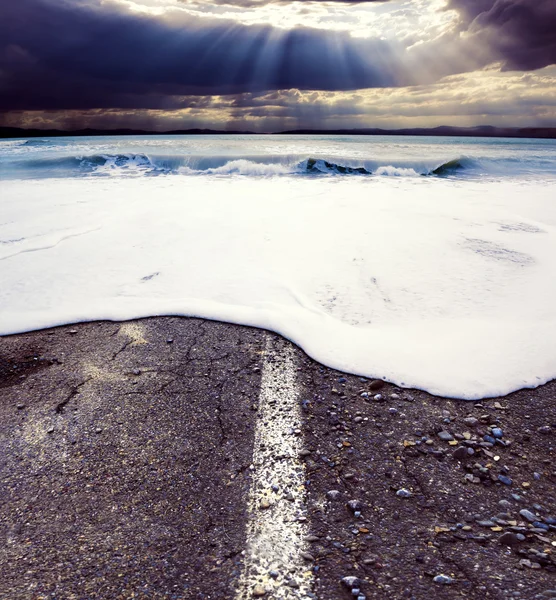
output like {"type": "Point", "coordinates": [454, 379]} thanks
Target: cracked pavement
{"type": "Point", "coordinates": [125, 455]}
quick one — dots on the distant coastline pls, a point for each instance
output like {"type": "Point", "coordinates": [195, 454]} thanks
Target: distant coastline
{"type": "Point", "coordinates": [444, 130]}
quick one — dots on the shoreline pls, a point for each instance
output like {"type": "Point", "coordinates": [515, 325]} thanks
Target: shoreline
{"type": "Point", "coordinates": [109, 490]}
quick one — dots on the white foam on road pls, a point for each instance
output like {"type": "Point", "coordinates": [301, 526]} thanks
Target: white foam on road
{"type": "Point", "coordinates": [273, 561]}
{"type": "Point", "coordinates": [442, 285]}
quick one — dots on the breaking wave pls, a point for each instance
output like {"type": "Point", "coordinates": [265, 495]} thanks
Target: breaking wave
{"type": "Point", "coordinates": [135, 164]}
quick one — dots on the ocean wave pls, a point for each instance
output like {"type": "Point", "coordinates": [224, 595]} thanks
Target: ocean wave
{"type": "Point", "coordinates": [140, 164]}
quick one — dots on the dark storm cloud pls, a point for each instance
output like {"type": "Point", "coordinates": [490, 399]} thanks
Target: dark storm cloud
{"type": "Point", "coordinates": [254, 3]}
{"type": "Point", "coordinates": [58, 54]}
{"type": "Point", "coordinates": [520, 32]}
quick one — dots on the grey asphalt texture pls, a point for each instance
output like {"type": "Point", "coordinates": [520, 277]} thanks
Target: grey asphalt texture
{"type": "Point", "coordinates": [124, 472]}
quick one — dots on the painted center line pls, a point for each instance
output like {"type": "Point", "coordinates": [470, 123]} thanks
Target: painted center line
{"type": "Point", "coordinates": [276, 561]}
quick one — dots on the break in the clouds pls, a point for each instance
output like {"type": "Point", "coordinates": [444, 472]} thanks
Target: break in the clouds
{"type": "Point", "coordinates": [191, 63]}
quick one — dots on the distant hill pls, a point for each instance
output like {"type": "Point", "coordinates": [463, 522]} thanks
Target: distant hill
{"type": "Point", "coordinates": [444, 130]}
{"type": "Point", "coordinates": [17, 132]}
{"type": "Point", "coordinates": [481, 131]}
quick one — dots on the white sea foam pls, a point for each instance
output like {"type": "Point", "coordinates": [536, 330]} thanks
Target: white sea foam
{"type": "Point", "coordinates": [397, 171]}
{"type": "Point", "coordinates": [249, 167]}
{"type": "Point", "coordinates": [440, 284]}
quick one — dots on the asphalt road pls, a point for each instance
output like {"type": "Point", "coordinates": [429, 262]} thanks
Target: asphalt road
{"type": "Point", "coordinates": [142, 460]}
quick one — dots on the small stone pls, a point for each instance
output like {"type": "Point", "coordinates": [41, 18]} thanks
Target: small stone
{"type": "Point", "coordinates": [355, 505]}
{"type": "Point", "coordinates": [98, 430]}
{"type": "Point", "coordinates": [487, 523]}
{"type": "Point", "coordinates": [378, 397]}
{"type": "Point", "coordinates": [509, 539]}
{"type": "Point", "coordinates": [505, 480]}
{"type": "Point", "coordinates": [403, 493]}
{"type": "Point", "coordinates": [460, 453]}
{"type": "Point", "coordinates": [376, 384]}
{"type": "Point", "coordinates": [497, 432]}
{"type": "Point", "coordinates": [489, 439]}
{"type": "Point", "coordinates": [445, 436]}
{"type": "Point", "coordinates": [274, 574]}
{"type": "Point", "coordinates": [545, 429]}
{"type": "Point", "coordinates": [136, 371]}
{"type": "Point", "coordinates": [169, 341]}
{"type": "Point", "coordinates": [73, 331]}
{"type": "Point", "coordinates": [471, 421]}
{"type": "Point", "coordinates": [527, 514]}
{"type": "Point", "coordinates": [264, 504]}
{"type": "Point", "coordinates": [259, 591]}
{"type": "Point", "coordinates": [350, 581]}
{"type": "Point", "coordinates": [333, 495]}
{"type": "Point", "coordinates": [307, 556]}
{"type": "Point", "coordinates": [20, 406]}
{"type": "Point", "coordinates": [443, 579]}
{"type": "Point", "coordinates": [50, 430]}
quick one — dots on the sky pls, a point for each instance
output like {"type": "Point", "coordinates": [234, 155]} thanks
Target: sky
{"type": "Point", "coordinates": [272, 65]}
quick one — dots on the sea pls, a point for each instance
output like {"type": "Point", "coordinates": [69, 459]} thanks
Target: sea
{"type": "Point", "coordinates": [429, 262]}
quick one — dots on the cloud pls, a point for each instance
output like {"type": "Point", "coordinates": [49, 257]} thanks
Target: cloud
{"type": "Point", "coordinates": [489, 97]}
{"type": "Point", "coordinates": [62, 54]}
{"type": "Point", "coordinates": [522, 33]}
{"type": "Point", "coordinates": [101, 60]}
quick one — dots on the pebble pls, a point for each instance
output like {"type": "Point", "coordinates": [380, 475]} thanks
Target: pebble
{"type": "Point", "coordinates": [460, 453]}
{"type": "Point", "coordinates": [264, 504]}
{"type": "Point", "coordinates": [471, 421]}
{"type": "Point", "coordinates": [376, 384]}
{"type": "Point", "coordinates": [545, 429]}
{"type": "Point", "coordinates": [403, 493]}
{"type": "Point", "coordinates": [378, 397]}
{"type": "Point", "coordinates": [259, 591]}
{"type": "Point", "coordinates": [444, 579]}
{"type": "Point", "coordinates": [487, 523]}
{"type": "Point", "coordinates": [445, 436]}
{"type": "Point", "coordinates": [50, 430]}
{"type": "Point", "coordinates": [527, 514]}
{"type": "Point", "coordinates": [489, 439]}
{"type": "Point", "coordinates": [307, 556]}
{"type": "Point", "coordinates": [505, 480]}
{"type": "Point", "coordinates": [20, 406]}
{"type": "Point", "coordinates": [350, 581]}
{"type": "Point", "coordinates": [497, 432]}
{"type": "Point", "coordinates": [169, 341]}
{"type": "Point", "coordinates": [355, 505]}
{"type": "Point", "coordinates": [509, 539]}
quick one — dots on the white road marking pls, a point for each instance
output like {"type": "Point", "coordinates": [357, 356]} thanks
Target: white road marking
{"type": "Point", "coordinates": [273, 561]}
